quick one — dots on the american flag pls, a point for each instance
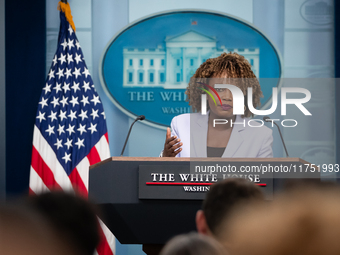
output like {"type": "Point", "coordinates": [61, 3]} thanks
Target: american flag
{"type": "Point", "coordinates": [70, 131]}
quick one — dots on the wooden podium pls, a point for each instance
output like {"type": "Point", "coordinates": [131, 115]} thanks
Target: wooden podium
{"type": "Point", "coordinates": [150, 211]}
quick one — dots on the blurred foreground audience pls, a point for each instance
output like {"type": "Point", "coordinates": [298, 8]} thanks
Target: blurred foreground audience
{"type": "Point", "coordinates": [192, 244]}
{"type": "Point", "coordinates": [24, 232]}
{"type": "Point", "coordinates": [72, 218]}
{"type": "Point", "coordinates": [304, 221]}
{"type": "Point", "coordinates": [221, 200]}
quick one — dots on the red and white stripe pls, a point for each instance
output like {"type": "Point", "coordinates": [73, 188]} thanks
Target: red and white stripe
{"type": "Point", "coordinates": [47, 167]}
{"type": "Point", "coordinates": [48, 174]}
{"type": "Point", "coordinates": [107, 245]}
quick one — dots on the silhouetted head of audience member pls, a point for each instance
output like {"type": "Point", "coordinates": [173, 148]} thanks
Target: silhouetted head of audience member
{"type": "Point", "coordinates": [192, 244]}
{"type": "Point", "coordinates": [301, 221]}
{"type": "Point", "coordinates": [72, 217]}
{"type": "Point", "coordinates": [221, 200]}
{"type": "Point", "coordinates": [24, 232]}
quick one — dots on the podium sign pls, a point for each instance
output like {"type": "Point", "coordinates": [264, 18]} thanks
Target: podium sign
{"type": "Point", "coordinates": [168, 182]}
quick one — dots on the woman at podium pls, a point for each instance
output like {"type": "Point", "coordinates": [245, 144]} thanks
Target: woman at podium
{"type": "Point", "coordinates": [218, 132]}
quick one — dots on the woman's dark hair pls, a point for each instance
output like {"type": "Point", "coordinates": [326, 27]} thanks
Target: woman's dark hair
{"type": "Point", "coordinates": [232, 64]}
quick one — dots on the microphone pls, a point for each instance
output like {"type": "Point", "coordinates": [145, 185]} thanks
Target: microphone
{"type": "Point", "coordinates": [267, 119]}
{"type": "Point", "coordinates": [140, 117]}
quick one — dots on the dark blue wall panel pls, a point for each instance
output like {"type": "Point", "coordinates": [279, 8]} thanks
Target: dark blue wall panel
{"type": "Point", "coordinates": [25, 77]}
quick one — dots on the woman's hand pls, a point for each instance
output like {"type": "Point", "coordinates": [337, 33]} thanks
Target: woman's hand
{"type": "Point", "coordinates": [172, 145]}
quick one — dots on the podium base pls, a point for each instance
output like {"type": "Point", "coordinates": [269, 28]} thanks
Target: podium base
{"type": "Point", "coordinates": [152, 249]}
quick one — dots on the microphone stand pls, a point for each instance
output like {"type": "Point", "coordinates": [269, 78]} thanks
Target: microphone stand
{"type": "Point", "coordinates": [141, 117]}
{"type": "Point", "coordinates": [267, 119]}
